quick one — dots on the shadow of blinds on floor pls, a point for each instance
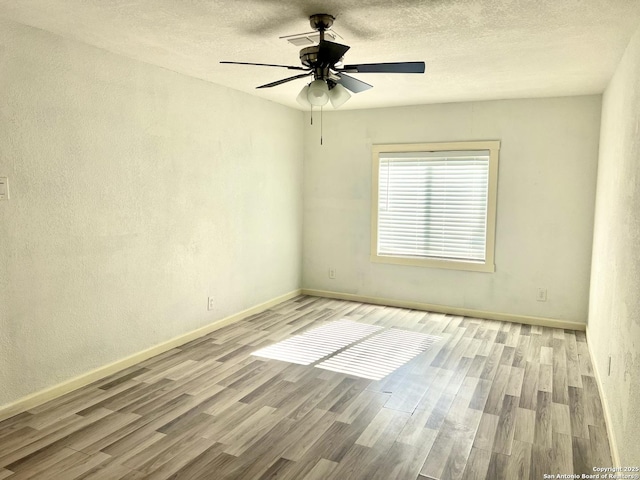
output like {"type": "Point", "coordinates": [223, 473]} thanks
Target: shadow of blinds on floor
{"type": "Point", "coordinates": [312, 345]}
{"type": "Point", "coordinates": [378, 356]}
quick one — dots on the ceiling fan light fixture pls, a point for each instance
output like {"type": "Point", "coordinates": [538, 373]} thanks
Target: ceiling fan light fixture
{"type": "Point", "coordinates": [302, 98]}
{"type": "Point", "coordinates": [318, 93]}
{"type": "Point", "coordinates": [338, 95]}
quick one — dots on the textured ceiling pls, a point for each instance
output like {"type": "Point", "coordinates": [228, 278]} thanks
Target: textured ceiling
{"type": "Point", "coordinates": [474, 50]}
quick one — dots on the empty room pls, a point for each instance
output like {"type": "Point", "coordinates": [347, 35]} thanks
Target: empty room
{"type": "Point", "coordinates": [319, 240]}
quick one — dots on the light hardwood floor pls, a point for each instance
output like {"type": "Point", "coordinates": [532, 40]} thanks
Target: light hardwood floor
{"type": "Point", "coordinates": [490, 400]}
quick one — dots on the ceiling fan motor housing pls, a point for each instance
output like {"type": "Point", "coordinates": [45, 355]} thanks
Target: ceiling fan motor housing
{"type": "Point", "coordinates": [309, 58]}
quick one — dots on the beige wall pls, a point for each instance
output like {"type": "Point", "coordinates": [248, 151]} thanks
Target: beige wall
{"type": "Point", "coordinates": [614, 314]}
{"type": "Point", "coordinates": [135, 194]}
{"type": "Point", "coordinates": [546, 188]}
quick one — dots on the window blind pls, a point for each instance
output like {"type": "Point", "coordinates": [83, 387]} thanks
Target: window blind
{"type": "Point", "coordinates": [433, 204]}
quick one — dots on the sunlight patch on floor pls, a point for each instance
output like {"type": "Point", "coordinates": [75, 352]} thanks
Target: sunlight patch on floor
{"type": "Point", "coordinates": [378, 356]}
{"type": "Point", "coordinates": [312, 345]}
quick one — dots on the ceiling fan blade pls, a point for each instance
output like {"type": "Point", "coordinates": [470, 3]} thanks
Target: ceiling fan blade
{"type": "Point", "coordinates": [330, 52]}
{"type": "Point", "coordinates": [290, 67]}
{"type": "Point", "coordinates": [393, 67]}
{"type": "Point", "coordinates": [285, 80]}
{"type": "Point", "coordinates": [353, 84]}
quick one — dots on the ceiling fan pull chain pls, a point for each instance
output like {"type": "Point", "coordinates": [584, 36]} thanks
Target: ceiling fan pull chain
{"type": "Point", "coordinates": [321, 125]}
{"type": "Point", "coordinates": [311, 114]}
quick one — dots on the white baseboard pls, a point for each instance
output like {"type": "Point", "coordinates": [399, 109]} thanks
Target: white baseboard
{"type": "Point", "coordinates": [43, 396]}
{"type": "Point", "coordinates": [615, 456]}
{"type": "Point", "coordinates": [467, 312]}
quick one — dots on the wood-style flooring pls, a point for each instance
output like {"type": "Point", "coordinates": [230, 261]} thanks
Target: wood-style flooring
{"type": "Point", "coordinates": [490, 400]}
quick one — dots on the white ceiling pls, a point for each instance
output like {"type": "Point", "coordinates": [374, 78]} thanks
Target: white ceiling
{"type": "Point", "coordinates": [474, 50]}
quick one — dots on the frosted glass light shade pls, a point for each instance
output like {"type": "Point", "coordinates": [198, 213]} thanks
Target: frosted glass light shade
{"type": "Point", "coordinates": [338, 96]}
{"type": "Point", "coordinates": [302, 97]}
{"type": "Point", "coordinates": [318, 93]}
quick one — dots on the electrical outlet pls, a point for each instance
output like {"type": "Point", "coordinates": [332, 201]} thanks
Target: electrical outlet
{"type": "Point", "coordinates": [4, 188]}
{"type": "Point", "coordinates": [541, 296]}
{"type": "Point", "coordinates": [211, 304]}
{"type": "Point", "coordinates": [332, 273]}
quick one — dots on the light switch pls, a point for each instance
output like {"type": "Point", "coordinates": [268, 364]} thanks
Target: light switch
{"type": "Point", "coordinates": [4, 188]}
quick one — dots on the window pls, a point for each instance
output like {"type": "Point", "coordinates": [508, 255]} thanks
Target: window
{"type": "Point", "coordinates": [434, 204]}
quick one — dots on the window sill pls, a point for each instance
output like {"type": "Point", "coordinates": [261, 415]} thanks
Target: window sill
{"type": "Point", "coordinates": [433, 263]}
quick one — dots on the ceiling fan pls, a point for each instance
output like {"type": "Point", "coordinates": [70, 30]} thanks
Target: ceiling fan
{"type": "Point", "coordinates": [324, 62]}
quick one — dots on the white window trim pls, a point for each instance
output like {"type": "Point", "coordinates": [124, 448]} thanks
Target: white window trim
{"type": "Point", "coordinates": [493, 146]}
